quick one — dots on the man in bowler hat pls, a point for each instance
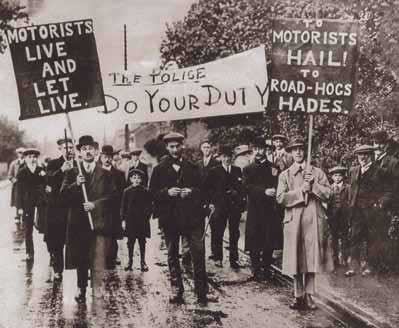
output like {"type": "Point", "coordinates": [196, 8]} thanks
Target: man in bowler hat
{"type": "Point", "coordinates": [88, 249]}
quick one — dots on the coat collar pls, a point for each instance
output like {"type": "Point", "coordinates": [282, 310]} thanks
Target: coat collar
{"type": "Point", "coordinates": [295, 168]}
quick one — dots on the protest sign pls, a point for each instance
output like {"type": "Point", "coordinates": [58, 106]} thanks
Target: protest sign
{"type": "Point", "coordinates": [232, 85]}
{"type": "Point", "coordinates": [56, 68]}
{"type": "Point", "coordinates": [313, 65]}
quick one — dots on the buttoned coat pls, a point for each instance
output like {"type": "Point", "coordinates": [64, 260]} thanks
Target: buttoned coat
{"type": "Point", "coordinates": [262, 222]}
{"type": "Point", "coordinates": [80, 240]}
{"type": "Point", "coordinates": [56, 211]}
{"type": "Point", "coordinates": [136, 212]}
{"type": "Point", "coordinates": [177, 214]}
{"type": "Point", "coordinates": [225, 190]}
{"type": "Point", "coordinates": [120, 184]}
{"type": "Point", "coordinates": [307, 247]}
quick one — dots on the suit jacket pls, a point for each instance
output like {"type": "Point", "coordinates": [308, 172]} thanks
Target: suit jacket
{"type": "Point", "coordinates": [225, 190]}
{"type": "Point", "coordinates": [100, 190]}
{"type": "Point", "coordinates": [205, 169]}
{"type": "Point", "coordinates": [175, 213]}
{"type": "Point", "coordinates": [30, 188]}
{"type": "Point", "coordinates": [371, 183]}
{"type": "Point", "coordinates": [261, 224]}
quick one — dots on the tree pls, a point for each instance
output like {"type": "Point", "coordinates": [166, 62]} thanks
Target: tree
{"type": "Point", "coordinates": [214, 29]}
{"type": "Point", "coordinates": [10, 139]}
{"type": "Point", "coordinates": [10, 13]}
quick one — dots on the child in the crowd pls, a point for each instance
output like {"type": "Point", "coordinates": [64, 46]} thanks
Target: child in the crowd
{"type": "Point", "coordinates": [136, 211]}
{"type": "Point", "coordinates": [336, 215]}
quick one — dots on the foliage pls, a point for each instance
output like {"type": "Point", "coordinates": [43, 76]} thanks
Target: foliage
{"type": "Point", "coordinates": [215, 29]}
{"type": "Point", "coordinates": [10, 139]}
{"type": "Point", "coordinates": [10, 13]}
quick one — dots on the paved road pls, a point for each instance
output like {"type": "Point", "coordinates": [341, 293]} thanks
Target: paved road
{"type": "Point", "coordinates": [28, 297]}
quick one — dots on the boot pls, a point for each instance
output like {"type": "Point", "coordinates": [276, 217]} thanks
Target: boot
{"type": "Point", "coordinates": [129, 265]}
{"type": "Point", "coordinates": [81, 296]}
{"type": "Point", "coordinates": [144, 267]}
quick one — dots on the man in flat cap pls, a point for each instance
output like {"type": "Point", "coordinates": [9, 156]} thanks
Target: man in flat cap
{"type": "Point", "coordinates": [242, 156]}
{"type": "Point", "coordinates": [366, 200]}
{"type": "Point", "coordinates": [225, 193]}
{"type": "Point", "coordinates": [136, 163]}
{"type": "Point", "coordinates": [30, 194]}
{"type": "Point", "coordinates": [337, 220]}
{"type": "Point", "coordinates": [261, 224]}
{"type": "Point", "coordinates": [15, 165]}
{"type": "Point", "coordinates": [106, 156]}
{"type": "Point", "coordinates": [88, 249]}
{"type": "Point", "coordinates": [175, 184]}
{"type": "Point", "coordinates": [282, 159]}
{"type": "Point", "coordinates": [301, 190]}
{"type": "Point", "coordinates": [57, 211]}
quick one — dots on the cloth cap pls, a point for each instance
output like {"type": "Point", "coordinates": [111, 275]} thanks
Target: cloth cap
{"type": "Point", "coordinates": [31, 151]}
{"type": "Point", "coordinates": [173, 136]}
{"type": "Point", "coordinates": [242, 150]}
{"type": "Point", "coordinates": [337, 169]}
{"type": "Point", "coordinates": [280, 136]}
{"type": "Point", "coordinates": [364, 149]}
{"type": "Point", "coordinates": [296, 142]}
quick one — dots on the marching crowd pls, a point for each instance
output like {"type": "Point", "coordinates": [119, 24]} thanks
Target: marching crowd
{"type": "Point", "coordinates": [87, 199]}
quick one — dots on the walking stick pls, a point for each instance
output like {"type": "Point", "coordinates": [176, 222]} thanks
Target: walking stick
{"type": "Point", "coordinates": [207, 225]}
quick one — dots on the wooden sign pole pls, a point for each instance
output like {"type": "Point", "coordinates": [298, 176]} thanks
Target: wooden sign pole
{"type": "Point", "coordinates": [79, 167]}
{"type": "Point", "coordinates": [309, 156]}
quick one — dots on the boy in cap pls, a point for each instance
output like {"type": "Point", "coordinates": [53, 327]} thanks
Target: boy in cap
{"type": "Point", "coordinates": [55, 231]}
{"type": "Point", "coordinates": [136, 211]}
{"type": "Point", "coordinates": [30, 185]}
{"type": "Point", "coordinates": [336, 215]}
{"type": "Point", "coordinates": [303, 220]}
{"type": "Point", "coordinates": [15, 166]}
{"type": "Point", "coordinates": [136, 163]}
{"type": "Point", "coordinates": [175, 184]}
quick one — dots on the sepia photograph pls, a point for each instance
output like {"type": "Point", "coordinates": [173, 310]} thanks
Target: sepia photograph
{"type": "Point", "coordinates": [199, 163]}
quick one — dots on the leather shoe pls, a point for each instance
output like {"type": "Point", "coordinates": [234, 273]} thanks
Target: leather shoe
{"type": "Point", "coordinates": [235, 265]}
{"type": "Point", "coordinates": [211, 257]}
{"type": "Point", "coordinates": [144, 267]}
{"type": "Point", "coordinates": [219, 263]}
{"type": "Point", "coordinates": [58, 276]}
{"type": "Point", "coordinates": [350, 273]}
{"type": "Point", "coordinates": [310, 304]}
{"type": "Point", "coordinates": [298, 304]}
{"type": "Point", "coordinates": [176, 299]}
{"type": "Point", "coordinates": [81, 296]}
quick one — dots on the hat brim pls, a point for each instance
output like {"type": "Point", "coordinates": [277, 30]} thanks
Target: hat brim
{"type": "Point", "coordinates": [37, 153]}
{"type": "Point", "coordinates": [297, 145]}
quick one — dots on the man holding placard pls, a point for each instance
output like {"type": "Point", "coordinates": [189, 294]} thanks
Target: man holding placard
{"type": "Point", "coordinates": [304, 254]}
{"type": "Point", "coordinates": [88, 249]}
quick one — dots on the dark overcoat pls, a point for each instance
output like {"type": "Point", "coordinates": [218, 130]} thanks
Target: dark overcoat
{"type": "Point", "coordinates": [30, 188]}
{"type": "Point", "coordinates": [136, 212]}
{"type": "Point", "coordinates": [80, 239]}
{"type": "Point", "coordinates": [176, 214]}
{"type": "Point", "coordinates": [262, 222]}
{"type": "Point", "coordinates": [225, 190]}
{"type": "Point", "coordinates": [120, 185]}
{"type": "Point", "coordinates": [56, 211]}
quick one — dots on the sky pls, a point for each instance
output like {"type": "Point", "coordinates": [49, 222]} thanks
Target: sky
{"type": "Point", "coordinates": [145, 20]}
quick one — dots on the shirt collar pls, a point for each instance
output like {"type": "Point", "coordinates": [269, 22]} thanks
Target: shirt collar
{"type": "Point", "coordinates": [298, 167]}
{"type": "Point", "coordinates": [32, 168]}
{"type": "Point", "coordinates": [89, 167]}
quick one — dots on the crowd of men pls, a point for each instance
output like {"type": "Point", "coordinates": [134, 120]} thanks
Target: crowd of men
{"type": "Point", "coordinates": [85, 200]}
